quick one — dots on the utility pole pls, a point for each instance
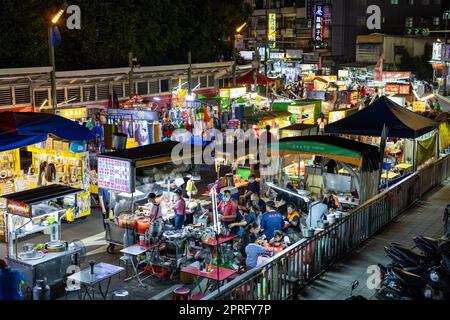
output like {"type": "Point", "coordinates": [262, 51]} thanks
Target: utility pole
{"type": "Point", "coordinates": [190, 73]}
{"type": "Point", "coordinates": [131, 61]}
{"type": "Point", "coordinates": [53, 64]}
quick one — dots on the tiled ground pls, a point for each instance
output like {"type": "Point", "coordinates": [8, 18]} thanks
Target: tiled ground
{"type": "Point", "coordinates": [424, 219]}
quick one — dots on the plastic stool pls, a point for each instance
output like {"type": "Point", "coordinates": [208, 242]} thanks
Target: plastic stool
{"type": "Point", "coordinates": [181, 293]}
{"type": "Point", "coordinates": [72, 289]}
{"type": "Point", "coordinates": [121, 295]}
{"type": "Point", "coordinates": [197, 296]}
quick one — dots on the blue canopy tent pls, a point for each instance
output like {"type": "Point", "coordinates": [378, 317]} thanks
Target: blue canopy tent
{"type": "Point", "coordinates": [21, 129]}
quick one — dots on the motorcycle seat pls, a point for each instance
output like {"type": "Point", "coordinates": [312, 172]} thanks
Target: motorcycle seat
{"type": "Point", "coordinates": [409, 255]}
{"type": "Point", "coordinates": [407, 277]}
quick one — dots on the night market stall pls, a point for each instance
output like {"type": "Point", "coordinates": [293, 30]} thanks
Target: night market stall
{"type": "Point", "coordinates": [411, 140]}
{"type": "Point", "coordinates": [25, 129]}
{"type": "Point", "coordinates": [41, 210]}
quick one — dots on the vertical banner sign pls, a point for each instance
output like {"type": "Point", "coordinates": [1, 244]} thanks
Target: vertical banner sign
{"type": "Point", "coordinates": [318, 26]}
{"type": "Point", "coordinates": [272, 36]}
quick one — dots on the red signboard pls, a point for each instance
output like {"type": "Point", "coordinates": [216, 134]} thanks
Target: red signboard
{"type": "Point", "coordinates": [397, 89]}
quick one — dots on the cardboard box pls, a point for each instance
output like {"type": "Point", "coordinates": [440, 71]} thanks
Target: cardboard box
{"type": "Point", "coordinates": [57, 145]}
{"type": "Point", "coordinates": [49, 144]}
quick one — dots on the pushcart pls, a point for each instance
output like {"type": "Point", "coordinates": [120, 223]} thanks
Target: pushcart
{"type": "Point", "coordinates": [114, 235]}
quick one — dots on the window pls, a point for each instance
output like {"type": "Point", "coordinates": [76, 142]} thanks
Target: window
{"type": "Point", "coordinates": [118, 89]}
{"type": "Point", "coordinates": [73, 94]}
{"type": "Point", "coordinates": [409, 22]}
{"type": "Point", "coordinates": [5, 97]}
{"type": "Point", "coordinates": [22, 95]}
{"type": "Point", "coordinates": [89, 93]}
{"type": "Point", "coordinates": [165, 85]}
{"type": "Point", "coordinates": [436, 21]}
{"type": "Point", "coordinates": [142, 88]}
{"type": "Point", "coordinates": [411, 2]}
{"type": "Point", "coordinates": [394, 1]}
{"type": "Point", "coordinates": [60, 95]}
{"type": "Point", "coordinates": [425, 2]}
{"type": "Point", "coordinates": [154, 87]}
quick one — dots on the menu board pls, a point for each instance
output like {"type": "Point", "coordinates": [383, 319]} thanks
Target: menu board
{"type": "Point", "coordinates": [115, 175]}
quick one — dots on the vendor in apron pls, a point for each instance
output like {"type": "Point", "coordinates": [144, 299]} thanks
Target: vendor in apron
{"type": "Point", "coordinates": [228, 211]}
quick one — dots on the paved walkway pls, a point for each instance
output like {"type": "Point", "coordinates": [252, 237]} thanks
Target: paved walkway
{"type": "Point", "coordinates": [423, 219]}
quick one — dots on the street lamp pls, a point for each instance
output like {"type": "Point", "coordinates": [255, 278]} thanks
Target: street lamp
{"type": "Point", "coordinates": [53, 22]}
{"type": "Point", "coordinates": [238, 31]}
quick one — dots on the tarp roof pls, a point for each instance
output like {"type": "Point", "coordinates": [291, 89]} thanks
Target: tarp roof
{"type": "Point", "coordinates": [298, 127]}
{"type": "Point", "coordinates": [247, 79]}
{"type": "Point", "coordinates": [20, 129]}
{"type": "Point", "coordinates": [336, 148]}
{"type": "Point", "coordinates": [38, 195]}
{"type": "Point", "coordinates": [401, 122]}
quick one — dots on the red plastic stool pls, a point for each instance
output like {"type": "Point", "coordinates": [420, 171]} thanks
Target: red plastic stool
{"type": "Point", "coordinates": [181, 293]}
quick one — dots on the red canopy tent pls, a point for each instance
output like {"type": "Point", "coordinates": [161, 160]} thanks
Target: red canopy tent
{"type": "Point", "coordinates": [247, 79]}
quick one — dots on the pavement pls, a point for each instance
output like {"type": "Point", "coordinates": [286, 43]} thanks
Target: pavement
{"type": "Point", "coordinates": [423, 219]}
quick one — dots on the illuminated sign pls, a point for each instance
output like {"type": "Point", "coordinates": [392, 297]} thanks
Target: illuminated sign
{"type": "Point", "coordinates": [419, 106]}
{"type": "Point", "coordinates": [437, 51]}
{"type": "Point", "coordinates": [233, 93]}
{"type": "Point", "coordinates": [318, 27]}
{"type": "Point", "coordinates": [115, 175]}
{"type": "Point", "coordinates": [77, 113]}
{"type": "Point", "coordinates": [18, 208]}
{"type": "Point", "coordinates": [272, 36]}
{"type": "Point", "coordinates": [395, 75]}
{"type": "Point", "coordinates": [335, 116]}
{"type": "Point", "coordinates": [277, 55]}
{"type": "Point", "coordinates": [397, 89]}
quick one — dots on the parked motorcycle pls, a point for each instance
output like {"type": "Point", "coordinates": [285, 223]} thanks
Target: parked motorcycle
{"type": "Point", "coordinates": [400, 284]}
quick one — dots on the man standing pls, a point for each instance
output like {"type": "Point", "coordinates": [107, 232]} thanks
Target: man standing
{"type": "Point", "coordinates": [271, 221]}
{"type": "Point", "coordinates": [228, 209]}
{"type": "Point", "coordinates": [105, 203]}
{"type": "Point", "coordinates": [252, 186]}
{"type": "Point", "coordinates": [155, 208]}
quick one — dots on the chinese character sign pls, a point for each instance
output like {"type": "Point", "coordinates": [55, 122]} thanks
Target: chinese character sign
{"type": "Point", "coordinates": [115, 175]}
{"type": "Point", "coordinates": [318, 26]}
{"type": "Point", "coordinates": [272, 36]}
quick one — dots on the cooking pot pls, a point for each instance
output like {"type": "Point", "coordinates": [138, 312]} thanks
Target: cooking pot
{"type": "Point", "coordinates": [56, 246]}
{"type": "Point", "coordinates": [28, 247]}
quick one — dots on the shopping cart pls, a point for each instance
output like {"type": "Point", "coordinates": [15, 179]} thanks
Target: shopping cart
{"type": "Point", "coordinates": [115, 235]}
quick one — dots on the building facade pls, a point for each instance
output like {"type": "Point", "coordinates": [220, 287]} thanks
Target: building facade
{"type": "Point", "coordinates": [398, 17]}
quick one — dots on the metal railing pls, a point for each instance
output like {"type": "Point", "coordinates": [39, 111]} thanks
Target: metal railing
{"type": "Point", "coordinates": [285, 274]}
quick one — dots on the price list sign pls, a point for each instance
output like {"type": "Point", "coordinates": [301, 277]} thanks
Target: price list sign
{"type": "Point", "coordinates": [115, 175]}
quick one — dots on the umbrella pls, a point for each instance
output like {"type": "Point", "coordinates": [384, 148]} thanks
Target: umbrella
{"type": "Point", "coordinates": [201, 97]}
{"type": "Point", "coordinates": [19, 129]}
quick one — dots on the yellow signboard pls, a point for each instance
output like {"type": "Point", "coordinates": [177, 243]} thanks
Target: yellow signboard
{"type": "Point", "coordinates": [77, 113]}
{"type": "Point", "coordinates": [419, 106]}
{"type": "Point", "coordinates": [233, 93]}
{"type": "Point", "coordinates": [272, 36]}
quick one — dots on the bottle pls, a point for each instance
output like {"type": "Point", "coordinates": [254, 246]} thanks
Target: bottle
{"type": "Point", "coordinates": [41, 290]}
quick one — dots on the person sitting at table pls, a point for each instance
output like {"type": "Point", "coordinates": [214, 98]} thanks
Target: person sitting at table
{"type": "Point", "coordinates": [252, 186]}
{"type": "Point", "coordinates": [179, 208]}
{"type": "Point", "coordinates": [271, 220]}
{"type": "Point", "coordinates": [253, 251]}
{"type": "Point", "coordinates": [251, 233]}
{"type": "Point", "coordinates": [244, 218]}
{"type": "Point", "coordinates": [292, 223]}
{"type": "Point", "coordinates": [281, 204]}
{"type": "Point", "coordinates": [227, 209]}
{"type": "Point", "coordinates": [255, 200]}
{"type": "Point", "coordinates": [331, 200]}
{"type": "Point", "coordinates": [279, 242]}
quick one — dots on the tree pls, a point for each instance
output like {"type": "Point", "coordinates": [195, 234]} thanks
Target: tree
{"type": "Point", "coordinates": [157, 31]}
